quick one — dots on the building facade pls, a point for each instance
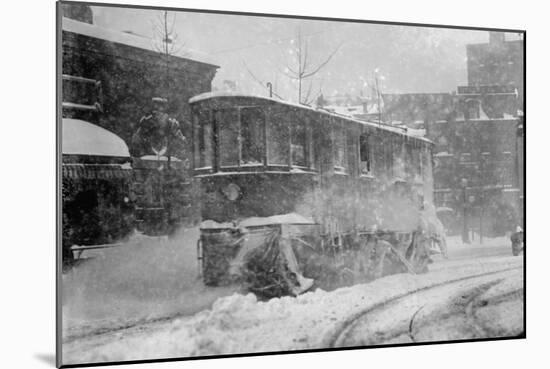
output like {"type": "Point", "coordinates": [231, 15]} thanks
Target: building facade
{"type": "Point", "coordinates": [477, 174]}
{"type": "Point", "coordinates": [478, 131]}
{"type": "Point", "coordinates": [498, 62]}
{"type": "Point", "coordinates": [129, 72]}
{"type": "Point", "coordinates": [108, 81]}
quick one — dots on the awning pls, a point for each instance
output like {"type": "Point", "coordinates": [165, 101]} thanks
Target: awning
{"type": "Point", "coordinates": [97, 171]}
{"type": "Point", "coordinates": [84, 138]}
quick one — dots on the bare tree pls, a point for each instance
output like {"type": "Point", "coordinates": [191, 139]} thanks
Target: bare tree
{"type": "Point", "coordinates": [302, 68]}
{"type": "Point", "coordinates": [378, 98]}
{"type": "Point", "coordinates": [166, 41]}
{"type": "Point", "coordinates": [376, 92]}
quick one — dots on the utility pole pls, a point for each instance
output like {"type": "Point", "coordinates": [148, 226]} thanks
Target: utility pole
{"type": "Point", "coordinates": [465, 236]}
{"type": "Point", "coordinates": [378, 99]}
{"type": "Point", "coordinates": [481, 199]}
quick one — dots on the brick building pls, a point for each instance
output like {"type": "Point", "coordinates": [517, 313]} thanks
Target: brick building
{"type": "Point", "coordinates": [109, 78]}
{"type": "Point", "coordinates": [128, 72]}
{"type": "Point", "coordinates": [498, 62]}
{"type": "Point", "coordinates": [477, 173]}
{"type": "Point", "coordinates": [414, 110]}
{"type": "Point", "coordinates": [478, 133]}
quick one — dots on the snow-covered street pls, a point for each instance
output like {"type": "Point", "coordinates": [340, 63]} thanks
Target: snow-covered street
{"type": "Point", "coordinates": [483, 284]}
{"type": "Point", "coordinates": [484, 306]}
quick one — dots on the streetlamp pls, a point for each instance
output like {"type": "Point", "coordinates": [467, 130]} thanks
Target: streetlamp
{"type": "Point", "coordinates": [465, 236]}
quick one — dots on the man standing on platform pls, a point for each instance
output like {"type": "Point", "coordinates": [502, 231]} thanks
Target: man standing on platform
{"type": "Point", "coordinates": [158, 133]}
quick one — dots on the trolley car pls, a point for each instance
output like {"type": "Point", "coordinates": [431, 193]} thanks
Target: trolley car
{"type": "Point", "coordinates": [292, 193]}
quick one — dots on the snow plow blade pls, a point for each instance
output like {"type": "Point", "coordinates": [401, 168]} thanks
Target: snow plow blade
{"type": "Point", "coordinates": [257, 253]}
{"type": "Point", "coordinates": [280, 256]}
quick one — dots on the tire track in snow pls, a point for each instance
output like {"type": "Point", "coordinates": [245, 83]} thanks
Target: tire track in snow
{"type": "Point", "coordinates": [461, 309]}
{"type": "Point", "coordinates": [337, 338]}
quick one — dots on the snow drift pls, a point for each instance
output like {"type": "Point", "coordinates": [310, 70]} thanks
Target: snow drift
{"type": "Point", "coordinates": [242, 324]}
{"type": "Point", "coordinates": [145, 278]}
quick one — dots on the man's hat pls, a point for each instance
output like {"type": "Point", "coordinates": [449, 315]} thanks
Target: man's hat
{"type": "Point", "coordinates": [160, 100]}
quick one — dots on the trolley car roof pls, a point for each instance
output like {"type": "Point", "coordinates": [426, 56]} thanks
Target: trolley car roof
{"type": "Point", "coordinates": [383, 126]}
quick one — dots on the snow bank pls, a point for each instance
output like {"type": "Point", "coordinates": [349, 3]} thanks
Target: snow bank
{"type": "Point", "coordinates": [146, 278]}
{"type": "Point", "coordinates": [241, 324]}
{"type": "Point", "coordinates": [455, 242]}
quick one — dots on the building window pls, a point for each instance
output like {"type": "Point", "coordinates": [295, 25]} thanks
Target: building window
{"type": "Point", "coordinates": [252, 136]}
{"type": "Point", "coordinates": [81, 93]}
{"type": "Point", "coordinates": [365, 153]}
{"type": "Point", "coordinates": [472, 109]}
{"type": "Point", "coordinates": [465, 157]}
{"type": "Point", "coordinates": [339, 147]}
{"type": "Point", "coordinates": [298, 140]}
{"type": "Point", "coordinates": [448, 197]}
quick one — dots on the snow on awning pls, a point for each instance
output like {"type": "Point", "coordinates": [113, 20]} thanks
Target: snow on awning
{"type": "Point", "coordinates": [96, 171]}
{"type": "Point", "coordinates": [84, 138]}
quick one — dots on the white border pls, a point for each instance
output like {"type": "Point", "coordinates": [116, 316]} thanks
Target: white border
{"type": "Point", "coordinates": [28, 182]}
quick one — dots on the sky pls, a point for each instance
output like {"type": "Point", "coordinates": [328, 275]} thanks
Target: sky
{"type": "Point", "coordinates": [255, 50]}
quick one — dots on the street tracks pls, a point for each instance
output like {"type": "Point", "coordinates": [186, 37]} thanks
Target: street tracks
{"type": "Point", "coordinates": [458, 309]}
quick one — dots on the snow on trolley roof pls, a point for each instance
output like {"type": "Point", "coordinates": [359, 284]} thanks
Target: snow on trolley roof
{"type": "Point", "coordinates": [129, 39]}
{"type": "Point", "coordinates": [159, 158]}
{"type": "Point", "coordinates": [84, 138]}
{"type": "Point", "coordinates": [386, 127]}
{"type": "Point", "coordinates": [289, 218]}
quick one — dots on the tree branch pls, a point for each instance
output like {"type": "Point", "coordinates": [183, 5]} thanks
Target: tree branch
{"type": "Point", "coordinates": [327, 60]}
{"type": "Point", "coordinates": [308, 94]}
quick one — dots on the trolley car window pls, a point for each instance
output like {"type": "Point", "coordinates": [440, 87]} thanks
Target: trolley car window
{"type": "Point", "coordinates": [298, 140]}
{"type": "Point", "coordinates": [228, 136]}
{"type": "Point", "coordinates": [426, 163]}
{"type": "Point", "coordinates": [278, 138]}
{"type": "Point", "coordinates": [378, 154]}
{"type": "Point", "coordinates": [339, 147]}
{"type": "Point", "coordinates": [409, 159]}
{"type": "Point", "coordinates": [417, 162]}
{"type": "Point", "coordinates": [203, 140]}
{"type": "Point", "coordinates": [311, 145]}
{"type": "Point", "coordinates": [252, 136]}
{"type": "Point", "coordinates": [365, 154]}
{"type": "Point", "coordinates": [386, 147]}
{"type": "Point", "coordinates": [399, 157]}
